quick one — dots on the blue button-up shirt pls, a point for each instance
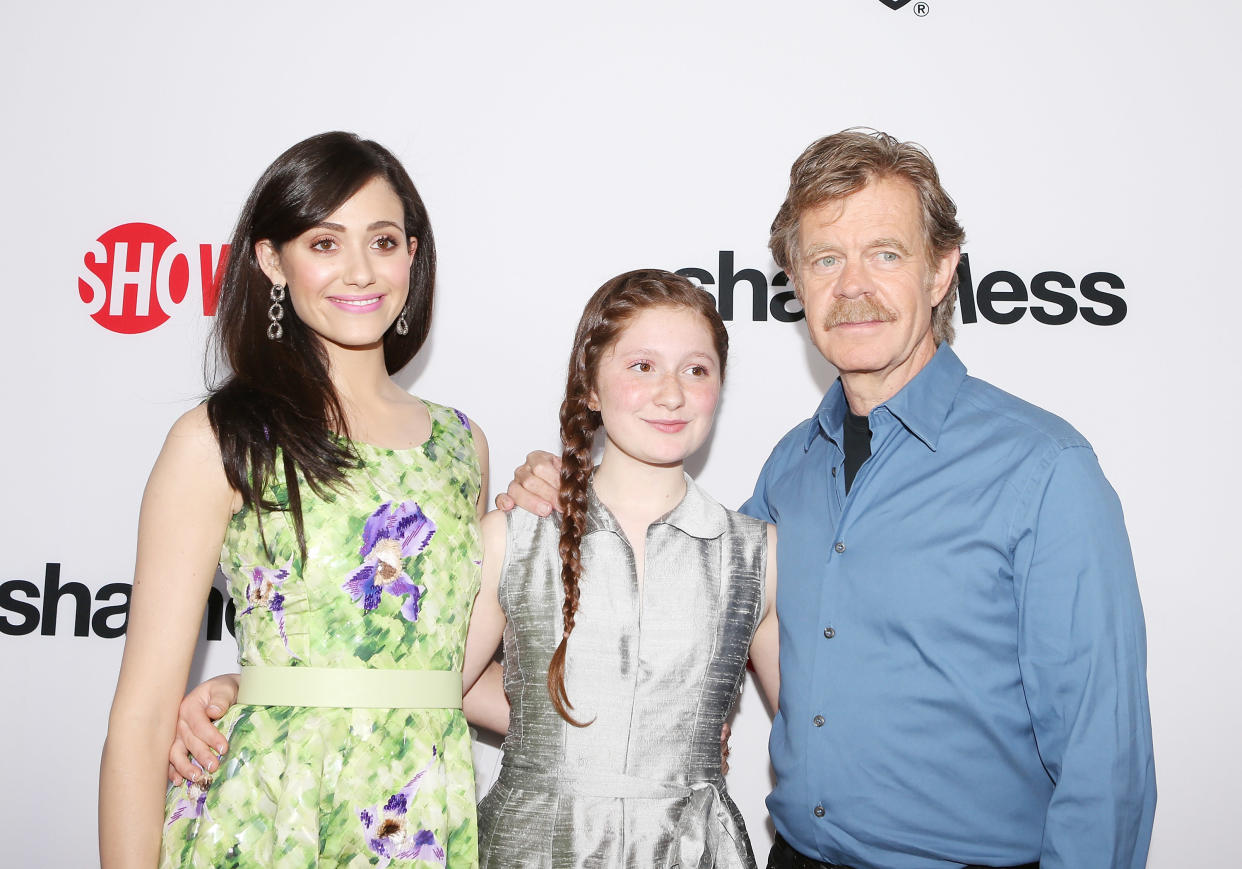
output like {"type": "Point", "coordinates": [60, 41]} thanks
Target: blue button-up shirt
{"type": "Point", "coordinates": [962, 651]}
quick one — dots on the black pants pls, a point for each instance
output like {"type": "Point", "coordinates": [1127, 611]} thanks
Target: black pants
{"type": "Point", "coordinates": [783, 856]}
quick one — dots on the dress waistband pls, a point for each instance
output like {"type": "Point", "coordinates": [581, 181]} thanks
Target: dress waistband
{"type": "Point", "coordinates": [350, 688]}
{"type": "Point", "coordinates": [605, 784]}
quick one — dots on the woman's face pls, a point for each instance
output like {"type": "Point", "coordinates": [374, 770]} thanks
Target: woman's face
{"type": "Point", "coordinates": [348, 277]}
{"type": "Point", "coordinates": [657, 386]}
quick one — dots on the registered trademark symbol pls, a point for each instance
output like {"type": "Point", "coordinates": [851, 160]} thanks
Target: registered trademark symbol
{"type": "Point", "coordinates": [921, 9]}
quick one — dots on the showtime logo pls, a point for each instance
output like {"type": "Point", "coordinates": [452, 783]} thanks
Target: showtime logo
{"type": "Point", "coordinates": [137, 275]}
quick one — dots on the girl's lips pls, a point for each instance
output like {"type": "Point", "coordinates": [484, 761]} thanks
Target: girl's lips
{"type": "Point", "coordinates": [669, 426]}
{"type": "Point", "coordinates": [358, 304]}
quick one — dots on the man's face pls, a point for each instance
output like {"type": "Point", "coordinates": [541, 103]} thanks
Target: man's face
{"type": "Point", "coordinates": [866, 284]}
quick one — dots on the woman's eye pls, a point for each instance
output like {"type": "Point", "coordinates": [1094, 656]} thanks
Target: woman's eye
{"type": "Point", "coordinates": [644, 367]}
{"type": "Point", "coordinates": [698, 370]}
{"type": "Point", "coordinates": [323, 244]}
{"type": "Point", "coordinates": [386, 242]}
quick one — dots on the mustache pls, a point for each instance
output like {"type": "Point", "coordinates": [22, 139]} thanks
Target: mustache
{"type": "Point", "coordinates": [864, 309]}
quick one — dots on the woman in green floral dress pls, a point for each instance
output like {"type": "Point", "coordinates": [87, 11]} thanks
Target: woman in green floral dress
{"type": "Point", "coordinates": [344, 513]}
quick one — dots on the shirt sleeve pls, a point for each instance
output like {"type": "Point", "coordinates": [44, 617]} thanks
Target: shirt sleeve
{"type": "Point", "coordinates": [1082, 653]}
{"type": "Point", "coordinates": [757, 505]}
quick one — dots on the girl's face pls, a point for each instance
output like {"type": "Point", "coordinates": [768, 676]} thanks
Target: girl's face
{"type": "Point", "coordinates": [657, 386]}
{"type": "Point", "coordinates": [349, 276]}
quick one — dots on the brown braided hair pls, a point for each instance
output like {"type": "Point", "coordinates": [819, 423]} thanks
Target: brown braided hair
{"type": "Point", "coordinates": [606, 315]}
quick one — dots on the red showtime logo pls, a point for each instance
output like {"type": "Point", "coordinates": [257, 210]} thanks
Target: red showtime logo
{"type": "Point", "coordinates": [137, 275]}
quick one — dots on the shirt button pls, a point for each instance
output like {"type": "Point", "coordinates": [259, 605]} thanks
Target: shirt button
{"type": "Point", "coordinates": [829, 632]}
{"type": "Point", "coordinates": [819, 811]}
{"type": "Point", "coordinates": [840, 547]}
{"type": "Point", "coordinates": [819, 720]}
{"type": "Point", "coordinates": [834, 471]}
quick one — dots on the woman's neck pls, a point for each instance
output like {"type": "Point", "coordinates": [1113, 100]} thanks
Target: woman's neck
{"type": "Point", "coordinates": [377, 410]}
{"type": "Point", "coordinates": [359, 375]}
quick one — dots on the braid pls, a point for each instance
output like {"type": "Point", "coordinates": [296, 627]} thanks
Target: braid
{"type": "Point", "coordinates": [578, 425]}
{"type": "Point", "coordinates": [606, 315]}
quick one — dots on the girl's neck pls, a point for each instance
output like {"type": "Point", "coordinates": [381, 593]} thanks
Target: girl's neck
{"type": "Point", "coordinates": [635, 489]}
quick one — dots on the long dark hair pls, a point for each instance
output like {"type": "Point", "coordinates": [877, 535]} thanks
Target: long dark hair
{"type": "Point", "coordinates": [277, 393]}
{"type": "Point", "coordinates": [607, 314]}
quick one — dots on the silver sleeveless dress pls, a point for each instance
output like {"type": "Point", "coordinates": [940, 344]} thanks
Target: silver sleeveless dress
{"type": "Point", "coordinates": [656, 675]}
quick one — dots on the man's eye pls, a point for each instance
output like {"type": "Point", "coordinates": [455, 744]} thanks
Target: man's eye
{"type": "Point", "coordinates": [888, 256]}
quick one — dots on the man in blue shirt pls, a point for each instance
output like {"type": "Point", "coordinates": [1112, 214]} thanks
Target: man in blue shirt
{"type": "Point", "coordinates": [962, 650]}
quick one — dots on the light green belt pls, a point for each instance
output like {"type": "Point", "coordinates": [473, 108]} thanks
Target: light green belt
{"type": "Point", "coordinates": [346, 688]}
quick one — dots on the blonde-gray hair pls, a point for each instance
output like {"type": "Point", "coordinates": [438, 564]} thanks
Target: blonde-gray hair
{"type": "Point", "coordinates": [836, 166]}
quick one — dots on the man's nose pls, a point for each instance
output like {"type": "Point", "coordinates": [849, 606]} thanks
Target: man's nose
{"type": "Point", "coordinates": [853, 281]}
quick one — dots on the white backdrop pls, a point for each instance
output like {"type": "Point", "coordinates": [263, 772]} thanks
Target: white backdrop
{"type": "Point", "coordinates": [557, 144]}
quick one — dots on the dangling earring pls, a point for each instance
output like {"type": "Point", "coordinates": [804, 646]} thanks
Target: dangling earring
{"type": "Point", "coordinates": [276, 313]}
{"type": "Point", "coordinates": [403, 328]}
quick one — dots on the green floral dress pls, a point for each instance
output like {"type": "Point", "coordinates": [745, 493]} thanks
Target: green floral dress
{"type": "Point", "coordinates": [391, 572]}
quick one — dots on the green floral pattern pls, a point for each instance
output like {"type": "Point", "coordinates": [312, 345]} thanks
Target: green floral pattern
{"type": "Point", "coordinates": [299, 784]}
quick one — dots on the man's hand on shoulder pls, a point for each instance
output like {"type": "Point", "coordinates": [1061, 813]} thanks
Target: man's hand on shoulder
{"type": "Point", "coordinates": [536, 485]}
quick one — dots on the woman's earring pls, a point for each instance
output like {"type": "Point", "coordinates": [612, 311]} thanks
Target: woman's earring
{"type": "Point", "coordinates": [276, 313]}
{"type": "Point", "coordinates": [403, 328]}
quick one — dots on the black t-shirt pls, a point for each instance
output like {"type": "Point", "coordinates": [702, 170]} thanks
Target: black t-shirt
{"type": "Point", "coordinates": [857, 446]}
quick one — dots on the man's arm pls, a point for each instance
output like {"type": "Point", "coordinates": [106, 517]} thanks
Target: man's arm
{"type": "Point", "coordinates": [1082, 652]}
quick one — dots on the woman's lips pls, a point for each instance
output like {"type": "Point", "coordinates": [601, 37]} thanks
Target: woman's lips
{"type": "Point", "coordinates": [357, 304]}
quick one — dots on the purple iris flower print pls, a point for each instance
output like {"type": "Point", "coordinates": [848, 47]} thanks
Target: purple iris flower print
{"type": "Point", "coordinates": [465, 423]}
{"type": "Point", "coordinates": [264, 592]}
{"type": "Point", "coordinates": [194, 803]}
{"type": "Point", "coordinates": [389, 832]}
{"type": "Point", "coordinates": [391, 535]}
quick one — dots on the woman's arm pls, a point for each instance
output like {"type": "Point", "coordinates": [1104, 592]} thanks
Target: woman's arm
{"type": "Point", "coordinates": [185, 510]}
{"type": "Point", "coordinates": [486, 705]}
{"type": "Point", "coordinates": [765, 645]}
{"type": "Point", "coordinates": [487, 620]}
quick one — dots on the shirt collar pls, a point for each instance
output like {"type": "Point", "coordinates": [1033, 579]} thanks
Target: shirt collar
{"type": "Point", "coordinates": [921, 405]}
{"type": "Point", "coordinates": [698, 514]}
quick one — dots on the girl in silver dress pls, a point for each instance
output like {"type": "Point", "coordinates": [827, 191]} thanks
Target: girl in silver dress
{"type": "Point", "coordinates": [627, 619]}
